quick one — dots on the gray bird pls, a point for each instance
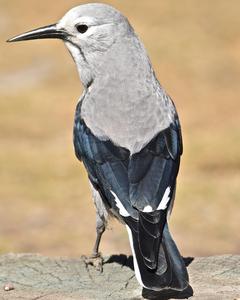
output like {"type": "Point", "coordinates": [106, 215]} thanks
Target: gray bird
{"type": "Point", "coordinates": [128, 136]}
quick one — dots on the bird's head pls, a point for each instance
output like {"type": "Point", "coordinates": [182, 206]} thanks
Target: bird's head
{"type": "Point", "coordinates": [88, 30]}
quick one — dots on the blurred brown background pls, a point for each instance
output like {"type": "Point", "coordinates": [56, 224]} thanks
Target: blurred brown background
{"type": "Point", "coordinates": [45, 201]}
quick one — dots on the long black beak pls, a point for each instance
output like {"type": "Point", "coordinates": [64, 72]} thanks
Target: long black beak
{"type": "Point", "coordinates": [46, 32]}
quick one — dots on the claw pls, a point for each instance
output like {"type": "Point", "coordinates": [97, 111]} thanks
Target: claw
{"type": "Point", "coordinates": [95, 260]}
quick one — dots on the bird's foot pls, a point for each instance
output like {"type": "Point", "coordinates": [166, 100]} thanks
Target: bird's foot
{"type": "Point", "coordinates": [95, 260]}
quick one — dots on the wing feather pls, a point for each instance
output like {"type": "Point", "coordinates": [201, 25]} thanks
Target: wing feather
{"type": "Point", "coordinates": [139, 181]}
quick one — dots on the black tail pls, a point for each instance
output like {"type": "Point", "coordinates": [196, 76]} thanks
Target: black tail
{"type": "Point", "coordinates": [170, 273]}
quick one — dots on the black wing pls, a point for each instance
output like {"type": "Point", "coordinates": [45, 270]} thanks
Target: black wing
{"type": "Point", "coordinates": [139, 181]}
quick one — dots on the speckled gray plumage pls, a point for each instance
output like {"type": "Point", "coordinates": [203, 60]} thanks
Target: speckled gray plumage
{"type": "Point", "coordinates": [125, 102]}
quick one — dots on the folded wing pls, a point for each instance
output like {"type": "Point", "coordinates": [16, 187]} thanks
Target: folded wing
{"type": "Point", "coordinates": [137, 188]}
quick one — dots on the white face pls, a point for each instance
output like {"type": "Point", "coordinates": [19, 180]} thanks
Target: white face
{"type": "Point", "coordinates": [92, 29]}
{"type": "Point", "coordinates": [86, 34]}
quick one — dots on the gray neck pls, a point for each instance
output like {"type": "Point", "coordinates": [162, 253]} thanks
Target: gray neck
{"type": "Point", "coordinates": [125, 102]}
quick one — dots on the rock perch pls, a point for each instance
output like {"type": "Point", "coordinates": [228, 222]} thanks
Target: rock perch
{"type": "Point", "coordinates": [33, 277]}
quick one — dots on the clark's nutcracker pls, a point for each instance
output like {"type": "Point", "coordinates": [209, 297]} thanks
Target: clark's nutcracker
{"type": "Point", "coordinates": [128, 136]}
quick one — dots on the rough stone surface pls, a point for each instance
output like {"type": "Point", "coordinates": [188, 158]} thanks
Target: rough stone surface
{"type": "Point", "coordinates": [37, 277]}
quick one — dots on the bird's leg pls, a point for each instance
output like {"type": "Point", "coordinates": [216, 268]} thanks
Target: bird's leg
{"type": "Point", "coordinates": [100, 230]}
{"type": "Point", "coordinates": [96, 259]}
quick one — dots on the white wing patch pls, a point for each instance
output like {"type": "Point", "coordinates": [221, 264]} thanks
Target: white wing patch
{"type": "Point", "coordinates": [122, 210]}
{"type": "Point", "coordinates": [165, 199]}
{"type": "Point", "coordinates": [148, 209]}
{"type": "Point", "coordinates": [163, 203]}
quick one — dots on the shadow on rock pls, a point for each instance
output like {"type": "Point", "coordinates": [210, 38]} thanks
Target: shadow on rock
{"type": "Point", "coordinates": [188, 260]}
{"type": "Point", "coordinates": [121, 259]}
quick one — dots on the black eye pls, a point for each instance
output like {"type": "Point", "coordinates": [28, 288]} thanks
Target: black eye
{"type": "Point", "coordinates": [82, 28]}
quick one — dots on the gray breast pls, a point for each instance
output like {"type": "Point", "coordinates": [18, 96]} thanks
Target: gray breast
{"type": "Point", "coordinates": [125, 102]}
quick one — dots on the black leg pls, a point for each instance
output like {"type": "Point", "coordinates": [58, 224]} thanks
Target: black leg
{"type": "Point", "coordinates": [100, 231]}
{"type": "Point", "coordinates": [96, 259]}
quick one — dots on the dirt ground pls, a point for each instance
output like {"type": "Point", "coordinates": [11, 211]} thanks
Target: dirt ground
{"type": "Point", "coordinates": [46, 205]}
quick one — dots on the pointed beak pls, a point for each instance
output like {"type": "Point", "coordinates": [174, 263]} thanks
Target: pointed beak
{"type": "Point", "coordinates": [46, 32]}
